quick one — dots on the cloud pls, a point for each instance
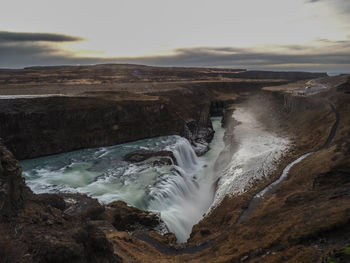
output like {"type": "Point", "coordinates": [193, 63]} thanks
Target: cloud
{"type": "Point", "coordinates": [6, 36]}
{"type": "Point", "coordinates": [251, 59]}
{"type": "Point", "coordinates": [342, 6]}
{"type": "Point", "coordinates": [18, 49]}
{"type": "Point", "coordinates": [329, 56]}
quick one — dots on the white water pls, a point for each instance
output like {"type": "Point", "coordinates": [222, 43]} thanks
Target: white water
{"type": "Point", "coordinates": [181, 193]}
{"type": "Point", "coordinates": [258, 151]}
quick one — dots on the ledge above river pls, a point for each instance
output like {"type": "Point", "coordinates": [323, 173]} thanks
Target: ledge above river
{"type": "Point", "coordinates": [38, 125]}
{"type": "Point", "coordinates": [33, 127]}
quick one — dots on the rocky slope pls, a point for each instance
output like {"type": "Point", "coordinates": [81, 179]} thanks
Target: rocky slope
{"type": "Point", "coordinates": [40, 228]}
{"type": "Point", "coordinates": [307, 218]}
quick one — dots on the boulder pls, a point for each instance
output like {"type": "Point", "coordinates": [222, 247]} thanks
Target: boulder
{"type": "Point", "coordinates": [82, 206]}
{"type": "Point", "coordinates": [128, 218]}
{"type": "Point", "coordinates": [54, 200]}
{"type": "Point", "coordinates": [155, 157]}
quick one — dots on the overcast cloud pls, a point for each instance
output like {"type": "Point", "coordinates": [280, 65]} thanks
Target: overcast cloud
{"type": "Point", "coordinates": [342, 6]}
{"type": "Point", "coordinates": [6, 36]}
{"type": "Point", "coordinates": [271, 34]}
{"type": "Point", "coordinates": [27, 49]}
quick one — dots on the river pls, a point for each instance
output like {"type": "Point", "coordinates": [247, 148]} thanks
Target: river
{"type": "Point", "coordinates": [180, 193]}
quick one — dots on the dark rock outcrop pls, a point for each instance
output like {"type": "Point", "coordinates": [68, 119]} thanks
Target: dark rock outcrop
{"type": "Point", "coordinates": [217, 108]}
{"type": "Point", "coordinates": [53, 200]}
{"type": "Point", "coordinates": [43, 126]}
{"type": "Point", "coordinates": [128, 218]}
{"type": "Point", "coordinates": [345, 87]}
{"type": "Point", "coordinates": [103, 116]}
{"type": "Point", "coordinates": [199, 135]}
{"type": "Point", "coordinates": [82, 206]}
{"type": "Point", "coordinates": [163, 157]}
{"type": "Point", "coordinates": [45, 228]}
{"type": "Point", "coordinates": [13, 190]}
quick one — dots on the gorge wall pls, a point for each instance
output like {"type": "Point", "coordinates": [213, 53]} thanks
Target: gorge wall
{"type": "Point", "coordinates": [43, 126]}
{"type": "Point", "coordinates": [39, 126]}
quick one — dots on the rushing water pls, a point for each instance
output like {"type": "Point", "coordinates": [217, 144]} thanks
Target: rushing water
{"type": "Point", "coordinates": [257, 153]}
{"type": "Point", "coordinates": [181, 193]}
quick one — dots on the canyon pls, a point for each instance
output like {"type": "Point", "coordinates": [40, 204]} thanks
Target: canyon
{"type": "Point", "coordinates": [269, 123]}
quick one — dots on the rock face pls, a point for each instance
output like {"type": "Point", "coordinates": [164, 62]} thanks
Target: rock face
{"type": "Point", "coordinates": [33, 127]}
{"type": "Point", "coordinates": [13, 190]}
{"type": "Point", "coordinates": [199, 136]}
{"type": "Point", "coordinates": [217, 108]}
{"type": "Point", "coordinates": [345, 87]}
{"type": "Point", "coordinates": [128, 218]}
{"type": "Point", "coordinates": [155, 157]}
{"type": "Point", "coordinates": [82, 206]}
{"type": "Point", "coordinates": [41, 228]}
{"type": "Point", "coordinates": [43, 126]}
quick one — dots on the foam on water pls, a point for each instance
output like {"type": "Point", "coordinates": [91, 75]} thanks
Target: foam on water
{"type": "Point", "coordinates": [258, 151]}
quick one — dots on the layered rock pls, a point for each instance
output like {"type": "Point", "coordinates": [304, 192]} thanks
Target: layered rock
{"type": "Point", "coordinates": [13, 190]}
{"type": "Point", "coordinates": [43, 126]}
{"type": "Point", "coordinates": [39, 126]}
{"type": "Point", "coordinates": [40, 228]}
{"type": "Point", "coordinates": [163, 157]}
{"type": "Point", "coordinates": [128, 218]}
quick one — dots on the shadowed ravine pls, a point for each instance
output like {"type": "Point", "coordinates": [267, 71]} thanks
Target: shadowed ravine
{"type": "Point", "coordinates": [253, 203]}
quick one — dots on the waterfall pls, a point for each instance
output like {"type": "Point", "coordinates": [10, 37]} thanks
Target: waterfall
{"type": "Point", "coordinates": [175, 187]}
{"type": "Point", "coordinates": [185, 156]}
{"type": "Point", "coordinates": [181, 193]}
{"type": "Point", "coordinates": [172, 185]}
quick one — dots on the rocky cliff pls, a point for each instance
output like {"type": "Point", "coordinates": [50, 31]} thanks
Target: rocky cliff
{"type": "Point", "coordinates": [40, 228]}
{"type": "Point", "coordinates": [39, 126]}
{"type": "Point", "coordinates": [42, 126]}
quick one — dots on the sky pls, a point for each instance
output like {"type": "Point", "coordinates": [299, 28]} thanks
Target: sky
{"type": "Point", "coordinates": [309, 35]}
